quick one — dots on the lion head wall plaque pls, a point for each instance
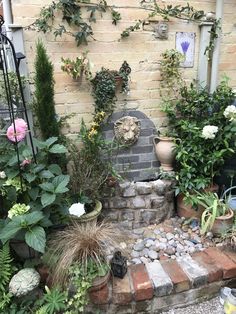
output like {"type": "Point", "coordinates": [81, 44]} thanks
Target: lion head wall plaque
{"type": "Point", "coordinates": [127, 130]}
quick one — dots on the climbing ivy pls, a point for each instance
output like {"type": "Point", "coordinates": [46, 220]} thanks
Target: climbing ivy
{"type": "Point", "coordinates": [72, 12]}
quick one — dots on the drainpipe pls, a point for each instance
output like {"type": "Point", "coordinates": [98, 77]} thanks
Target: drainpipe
{"type": "Point", "coordinates": [7, 17]}
{"type": "Point", "coordinates": [216, 54]}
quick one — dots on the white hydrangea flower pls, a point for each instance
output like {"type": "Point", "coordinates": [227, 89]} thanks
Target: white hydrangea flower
{"type": "Point", "coordinates": [77, 209]}
{"type": "Point", "coordinates": [209, 131]}
{"type": "Point", "coordinates": [2, 175]}
{"type": "Point", "coordinates": [230, 113]}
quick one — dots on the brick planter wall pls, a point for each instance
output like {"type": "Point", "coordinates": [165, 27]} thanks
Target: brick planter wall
{"type": "Point", "coordinates": [164, 285]}
{"type": "Point", "coordinates": [139, 204]}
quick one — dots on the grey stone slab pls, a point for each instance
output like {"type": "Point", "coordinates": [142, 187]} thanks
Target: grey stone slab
{"type": "Point", "coordinates": [146, 132]}
{"type": "Point", "coordinates": [161, 281]}
{"type": "Point", "coordinates": [196, 273]}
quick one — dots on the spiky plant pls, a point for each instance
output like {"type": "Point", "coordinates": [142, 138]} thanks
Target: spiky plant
{"type": "Point", "coordinates": [81, 243]}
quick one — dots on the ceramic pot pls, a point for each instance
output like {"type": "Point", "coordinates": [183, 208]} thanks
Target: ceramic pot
{"type": "Point", "coordinates": [164, 147]}
{"type": "Point", "coordinates": [223, 223]}
{"type": "Point", "coordinates": [186, 210]}
{"type": "Point", "coordinates": [90, 217]}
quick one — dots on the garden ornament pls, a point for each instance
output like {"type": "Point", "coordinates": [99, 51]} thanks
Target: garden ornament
{"type": "Point", "coordinates": [119, 265]}
{"type": "Point", "coordinates": [127, 130]}
{"type": "Point", "coordinates": [161, 30]}
{"type": "Point", "coordinates": [24, 282]}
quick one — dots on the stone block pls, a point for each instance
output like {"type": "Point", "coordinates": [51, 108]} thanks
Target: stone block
{"type": "Point", "coordinates": [148, 217]}
{"type": "Point", "coordinates": [196, 273]}
{"type": "Point", "coordinates": [161, 281]}
{"type": "Point", "coordinates": [130, 191]}
{"type": "Point", "coordinates": [170, 196]}
{"type": "Point", "coordinates": [223, 261]}
{"type": "Point", "coordinates": [178, 277]}
{"type": "Point", "coordinates": [159, 187]}
{"type": "Point", "coordinates": [127, 159]}
{"type": "Point", "coordinates": [144, 188]}
{"type": "Point", "coordinates": [121, 290]}
{"type": "Point", "coordinates": [119, 203]}
{"type": "Point", "coordinates": [141, 165]}
{"type": "Point", "coordinates": [157, 201]}
{"type": "Point", "coordinates": [143, 289]}
{"type": "Point", "coordinates": [127, 214]}
{"type": "Point", "coordinates": [138, 202]}
{"type": "Point", "coordinates": [214, 272]}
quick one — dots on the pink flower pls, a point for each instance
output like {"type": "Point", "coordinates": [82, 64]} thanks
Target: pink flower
{"type": "Point", "coordinates": [26, 162]}
{"type": "Point", "coordinates": [17, 133]}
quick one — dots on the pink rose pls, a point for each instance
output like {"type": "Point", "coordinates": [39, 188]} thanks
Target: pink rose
{"type": "Point", "coordinates": [17, 133]}
{"type": "Point", "coordinates": [26, 162]}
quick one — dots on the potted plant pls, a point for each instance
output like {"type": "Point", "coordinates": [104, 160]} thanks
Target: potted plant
{"type": "Point", "coordinates": [217, 216]}
{"type": "Point", "coordinates": [76, 68]}
{"type": "Point", "coordinates": [78, 260]}
{"type": "Point", "coordinates": [90, 171]}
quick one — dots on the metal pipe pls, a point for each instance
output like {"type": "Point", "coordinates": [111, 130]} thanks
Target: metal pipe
{"type": "Point", "coordinates": [7, 12]}
{"type": "Point", "coordinates": [216, 53]}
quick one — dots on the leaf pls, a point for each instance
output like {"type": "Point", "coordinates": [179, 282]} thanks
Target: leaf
{"type": "Point", "coordinates": [33, 193]}
{"type": "Point", "coordinates": [47, 199]}
{"type": "Point", "coordinates": [29, 177]}
{"type": "Point", "coordinates": [55, 169]}
{"type": "Point", "coordinates": [36, 238]}
{"type": "Point", "coordinates": [61, 180]}
{"type": "Point", "coordinates": [51, 140]}
{"type": "Point", "coordinates": [47, 186]}
{"type": "Point", "coordinates": [9, 231]}
{"type": "Point", "coordinates": [46, 174]}
{"type": "Point", "coordinates": [29, 219]}
{"type": "Point", "coordinates": [58, 149]}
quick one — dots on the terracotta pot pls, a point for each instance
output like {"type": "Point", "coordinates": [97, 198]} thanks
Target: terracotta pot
{"type": "Point", "coordinates": [99, 282]}
{"type": "Point", "coordinates": [186, 210]}
{"type": "Point", "coordinates": [223, 223]}
{"type": "Point", "coordinates": [164, 147]}
{"type": "Point", "coordinates": [90, 217]}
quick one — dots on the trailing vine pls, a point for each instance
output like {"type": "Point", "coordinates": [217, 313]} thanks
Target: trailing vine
{"type": "Point", "coordinates": [71, 12]}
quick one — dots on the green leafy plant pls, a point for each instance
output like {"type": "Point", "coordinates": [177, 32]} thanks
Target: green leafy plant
{"type": "Point", "coordinates": [71, 11]}
{"type": "Point", "coordinates": [214, 208]}
{"type": "Point", "coordinates": [44, 105]}
{"type": "Point", "coordinates": [33, 196]}
{"type": "Point", "coordinates": [53, 301]}
{"type": "Point", "coordinates": [76, 68]}
{"type": "Point", "coordinates": [5, 275]}
{"type": "Point", "coordinates": [89, 169]}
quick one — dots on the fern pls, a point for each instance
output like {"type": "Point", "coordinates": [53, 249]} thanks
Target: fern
{"type": "Point", "coordinates": [42, 310]}
{"type": "Point", "coordinates": [6, 269]}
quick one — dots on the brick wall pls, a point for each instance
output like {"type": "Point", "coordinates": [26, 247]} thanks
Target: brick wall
{"type": "Point", "coordinates": [142, 51]}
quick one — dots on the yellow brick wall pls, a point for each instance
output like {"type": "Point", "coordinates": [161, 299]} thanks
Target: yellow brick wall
{"type": "Point", "coordinates": [141, 50]}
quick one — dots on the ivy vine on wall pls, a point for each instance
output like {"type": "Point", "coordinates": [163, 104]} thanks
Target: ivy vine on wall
{"type": "Point", "coordinates": [80, 25]}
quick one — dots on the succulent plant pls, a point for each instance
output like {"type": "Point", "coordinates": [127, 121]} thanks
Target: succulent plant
{"type": "Point", "coordinates": [23, 282]}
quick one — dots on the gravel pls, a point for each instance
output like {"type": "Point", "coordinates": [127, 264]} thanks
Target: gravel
{"type": "Point", "coordinates": [212, 306]}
